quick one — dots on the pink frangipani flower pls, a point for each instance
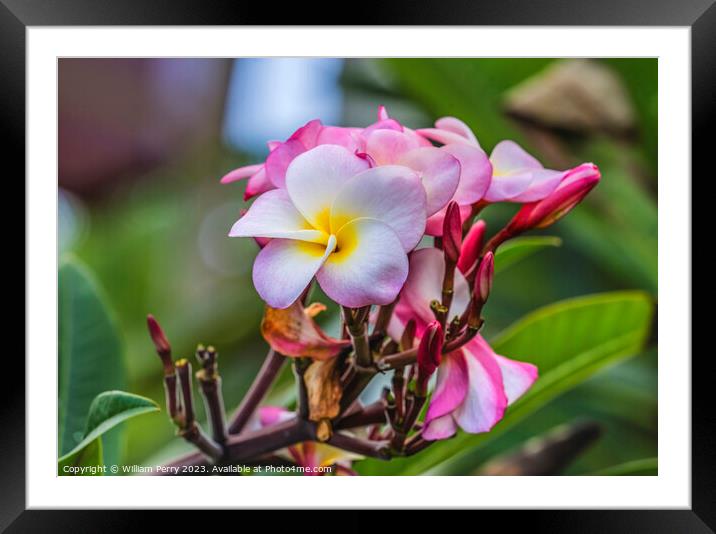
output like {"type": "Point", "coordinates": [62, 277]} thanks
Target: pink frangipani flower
{"type": "Point", "coordinates": [516, 175]}
{"type": "Point", "coordinates": [474, 385]}
{"type": "Point", "coordinates": [348, 225]}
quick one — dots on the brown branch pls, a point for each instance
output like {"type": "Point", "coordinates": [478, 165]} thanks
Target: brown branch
{"type": "Point", "coordinates": [268, 372]}
{"type": "Point", "coordinates": [188, 427]}
{"type": "Point", "coordinates": [356, 324]}
{"type": "Point", "coordinates": [210, 387]}
{"type": "Point", "coordinates": [369, 415]}
{"type": "Point", "coordinates": [364, 447]}
{"type": "Point", "coordinates": [270, 439]}
{"type": "Point", "coordinates": [400, 359]}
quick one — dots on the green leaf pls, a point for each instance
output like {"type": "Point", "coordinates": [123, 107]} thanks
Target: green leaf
{"type": "Point", "coordinates": [645, 466]}
{"type": "Point", "coordinates": [519, 248]}
{"type": "Point", "coordinates": [90, 354]}
{"type": "Point", "coordinates": [87, 460]}
{"type": "Point", "coordinates": [109, 409]}
{"type": "Point", "coordinates": [569, 341]}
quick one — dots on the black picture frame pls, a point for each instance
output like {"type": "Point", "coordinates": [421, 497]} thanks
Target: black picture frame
{"type": "Point", "coordinates": [699, 15]}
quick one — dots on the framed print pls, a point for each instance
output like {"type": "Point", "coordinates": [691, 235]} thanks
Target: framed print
{"type": "Point", "coordinates": [264, 272]}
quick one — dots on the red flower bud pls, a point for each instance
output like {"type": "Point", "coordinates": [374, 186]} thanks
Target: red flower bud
{"type": "Point", "coordinates": [577, 183]}
{"type": "Point", "coordinates": [429, 355]}
{"type": "Point", "coordinates": [471, 246]}
{"type": "Point", "coordinates": [452, 232]}
{"type": "Point", "coordinates": [161, 343]}
{"type": "Point", "coordinates": [483, 280]}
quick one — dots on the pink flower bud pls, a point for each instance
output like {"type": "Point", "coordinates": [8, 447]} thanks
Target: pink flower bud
{"type": "Point", "coordinates": [577, 183]}
{"type": "Point", "coordinates": [452, 232]}
{"type": "Point", "coordinates": [471, 246]}
{"type": "Point", "coordinates": [429, 355]}
{"type": "Point", "coordinates": [161, 343]}
{"type": "Point", "coordinates": [483, 280]}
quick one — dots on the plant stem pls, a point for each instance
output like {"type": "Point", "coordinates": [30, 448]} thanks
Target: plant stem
{"type": "Point", "coordinates": [364, 447]}
{"type": "Point", "coordinates": [369, 415]}
{"type": "Point", "coordinates": [270, 439]}
{"type": "Point", "coordinates": [447, 289]}
{"type": "Point", "coordinates": [400, 359]}
{"type": "Point", "coordinates": [302, 408]}
{"type": "Point", "coordinates": [210, 387]}
{"type": "Point", "coordinates": [194, 434]}
{"type": "Point", "coordinates": [268, 372]}
{"type": "Point", "coordinates": [356, 325]}
{"type": "Point", "coordinates": [383, 318]}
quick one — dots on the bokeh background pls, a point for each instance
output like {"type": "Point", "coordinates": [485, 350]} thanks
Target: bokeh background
{"type": "Point", "coordinates": [143, 143]}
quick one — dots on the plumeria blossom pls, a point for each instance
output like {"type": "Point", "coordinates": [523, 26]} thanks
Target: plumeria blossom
{"type": "Point", "coordinates": [339, 220]}
{"type": "Point", "coordinates": [458, 173]}
{"type": "Point", "coordinates": [272, 173]}
{"type": "Point", "coordinates": [310, 455]}
{"type": "Point", "coordinates": [474, 384]}
{"type": "Point", "coordinates": [516, 175]}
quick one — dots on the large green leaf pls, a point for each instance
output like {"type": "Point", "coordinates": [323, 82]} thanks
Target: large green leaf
{"type": "Point", "coordinates": [520, 248]}
{"type": "Point", "coordinates": [90, 355]}
{"type": "Point", "coordinates": [569, 342]}
{"type": "Point", "coordinates": [107, 410]}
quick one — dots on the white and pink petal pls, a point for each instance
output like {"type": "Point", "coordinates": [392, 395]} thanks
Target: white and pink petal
{"type": "Point", "coordinates": [439, 172]}
{"type": "Point", "coordinates": [284, 267]}
{"type": "Point", "coordinates": [392, 194]}
{"type": "Point", "coordinates": [314, 179]}
{"type": "Point", "coordinates": [369, 265]}
{"type": "Point", "coordinates": [273, 215]}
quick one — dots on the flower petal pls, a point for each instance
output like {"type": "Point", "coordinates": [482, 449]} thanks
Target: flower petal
{"type": "Point", "coordinates": [504, 188]}
{"type": "Point", "coordinates": [424, 284]}
{"type": "Point", "coordinates": [508, 157]}
{"type": "Point", "coordinates": [257, 184]}
{"type": "Point", "coordinates": [440, 428]}
{"type": "Point", "coordinates": [273, 215]}
{"type": "Point", "coordinates": [292, 332]}
{"type": "Point", "coordinates": [455, 125]}
{"type": "Point", "coordinates": [392, 194]}
{"type": "Point", "coordinates": [272, 415]}
{"type": "Point", "coordinates": [444, 137]}
{"type": "Point", "coordinates": [485, 401]}
{"type": "Point", "coordinates": [284, 268]}
{"type": "Point", "coordinates": [314, 179]}
{"type": "Point", "coordinates": [388, 146]}
{"type": "Point", "coordinates": [517, 377]}
{"type": "Point", "coordinates": [334, 135]}
{"type": "Point", "coordinates": [451, 386]}
{"type": "Point", "coordinates": [241, 173]}
{"type": "Point", "coordinates": [475, 173]}
{"type": "Point", "coordinates": [280, 158]}
{"type": "Point", "coordinates": [368, 267]}
{"type": "Point", "coordinates": [440, 173]}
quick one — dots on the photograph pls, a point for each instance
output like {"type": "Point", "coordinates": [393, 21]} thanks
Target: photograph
{"type": "Point", "coordinates": [359, 266]}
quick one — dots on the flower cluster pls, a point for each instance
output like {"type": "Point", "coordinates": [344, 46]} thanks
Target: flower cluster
{"type": "Point", "coordinates": [350, 207]}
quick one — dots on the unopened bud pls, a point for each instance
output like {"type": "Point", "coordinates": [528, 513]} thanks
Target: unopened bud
{"type": "Point", "coordinates": [483, 279]}
{"type": "Point", "coordinates": [429, 355]}
{"type": "Point", "coordinates": [577, 183]}
{"type": "Point", "coordinates": [452, 232]}
{"type": "Point", "coordinates": [161, 344]}
{"type": "Point", "coordinates": [471, 246]}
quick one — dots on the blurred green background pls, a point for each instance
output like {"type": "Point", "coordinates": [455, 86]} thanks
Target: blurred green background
{"type": "Point", "coordinates": [143, 143]}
